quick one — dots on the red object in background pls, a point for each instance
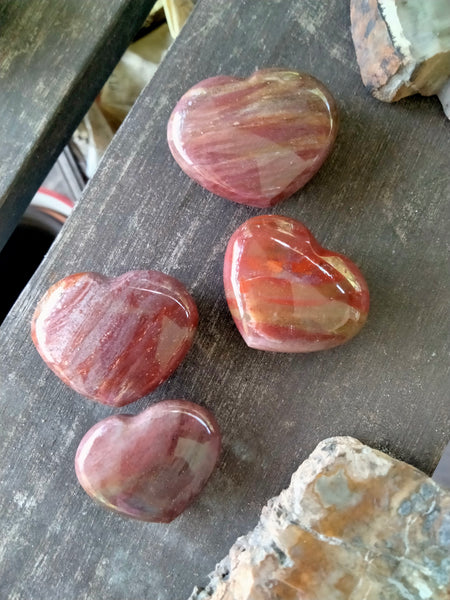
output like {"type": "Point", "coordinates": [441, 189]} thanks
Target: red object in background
{"type": "Point", "coordinates": [51, 203]}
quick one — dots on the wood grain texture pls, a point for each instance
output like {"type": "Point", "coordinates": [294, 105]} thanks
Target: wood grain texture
{"type": "Point", "coordinates": [380, 198]}
{"type": "Point", "coordinates": [54, 58]}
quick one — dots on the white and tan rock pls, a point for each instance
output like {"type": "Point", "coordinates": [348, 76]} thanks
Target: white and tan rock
{"type": "Point", "coordinates": [403, 47]}
{"type": "Point", "coordinates": [354, 524]}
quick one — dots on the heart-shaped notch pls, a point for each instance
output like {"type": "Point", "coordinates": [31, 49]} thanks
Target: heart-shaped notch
{"type": "Point", "coordinates": [153, 465]}
{"type": "Point", "coordinates": [288, 294]}
{"type": "Point", "coordinates": [114, 339]}
{"type": "Point", "coordinates": [255, 141]}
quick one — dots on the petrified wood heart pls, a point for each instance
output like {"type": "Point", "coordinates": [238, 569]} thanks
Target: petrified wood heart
{"type": "Point", "coordinates": [288, 294]}
{"type": "Point", "coordinates": [114, 339]}
{"type": "Point", "coordinates": [255, 141]}
{"type": "Point", "coordinates": [150, 466]}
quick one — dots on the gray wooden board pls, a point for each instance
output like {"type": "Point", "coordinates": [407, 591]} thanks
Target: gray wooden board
{"type": "Point", "coordinates": [381, 198]}
{"type": "Point", "coordinates": [54, 57]}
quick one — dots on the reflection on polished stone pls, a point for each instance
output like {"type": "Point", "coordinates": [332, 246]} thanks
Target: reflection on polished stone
{"type": "Point", "coordinates": [115, 339]}
{"type": "Point", "coordinates": [153, 465]}
{"type": "Point", "coordinates": [255, 141]}
{"type": "Point", "coordinates": [288, 294]}
{"type": "Point", "coordinates": [354, 524]}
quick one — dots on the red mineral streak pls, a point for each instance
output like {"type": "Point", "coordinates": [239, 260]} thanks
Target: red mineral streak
{"type": "Point", "coordinates": [288, 294]}
{"type": "Point", "coordinates": [114, 340]}
{"type": "Point", "coordinates": [150, 466]}
{"type": "Point", "coordinates": [255, 141]}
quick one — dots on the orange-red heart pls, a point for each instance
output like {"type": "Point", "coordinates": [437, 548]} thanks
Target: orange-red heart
{"type": "Point", "coordinates": [288, 294]}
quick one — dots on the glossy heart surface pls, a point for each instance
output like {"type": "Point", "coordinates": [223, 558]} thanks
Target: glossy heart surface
{"type": "Point", "coordinates": [288, 294]}
{"type": "Point", "coordinates": [255, 141]}
{"type": "Point", "coordinates": [114, 339]}
{"type": "Point", "coordinates": [150, 466]}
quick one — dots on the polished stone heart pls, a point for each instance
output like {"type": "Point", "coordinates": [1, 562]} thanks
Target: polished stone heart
{"type": "Point", "coordinates": [255, 141]}
{"type": "Point", "coordinates": [114, 339]}
{"type": "Point", "coordinates": [150, 466]}
{"type": "Point", "coordinates": [288, 294]}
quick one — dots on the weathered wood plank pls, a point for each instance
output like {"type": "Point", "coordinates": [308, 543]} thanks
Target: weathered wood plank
{"type": "Point", "coordinates": [380, 198]}
{"type": "Point", "coordinates": [54, 58]}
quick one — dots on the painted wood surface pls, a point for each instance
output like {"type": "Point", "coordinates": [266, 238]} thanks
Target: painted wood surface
{"type": "Point", "coordinates": [381, 199]}
{"type": "Point", "coordinates": [54, 58]}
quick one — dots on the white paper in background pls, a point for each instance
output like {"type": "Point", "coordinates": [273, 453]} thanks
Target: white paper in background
{"type": "Point", "coordinates": [177, 13]}
{"type": "Point", "coordinates": [135, 69]}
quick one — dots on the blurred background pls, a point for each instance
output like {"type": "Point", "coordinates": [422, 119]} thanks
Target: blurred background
{"type": "Point", "coordinates": [79, 160]}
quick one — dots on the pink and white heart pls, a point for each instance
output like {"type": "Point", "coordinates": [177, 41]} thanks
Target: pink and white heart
{"type": "Point", "coordinates": [255, 141]}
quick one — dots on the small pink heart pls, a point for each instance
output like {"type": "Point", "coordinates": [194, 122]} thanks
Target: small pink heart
{"type": "Point", "coordinates": [114, 339]}
{"type": "Point", "coordinates": [288, 294]}
{"type": "Point", "coordinates": [255, 141]}
{"type": "Point", "coordinates": [153, 465]}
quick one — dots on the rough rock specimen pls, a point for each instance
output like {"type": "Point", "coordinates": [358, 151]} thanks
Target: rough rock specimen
{"type": "Point", "coordinates": [255, 141]}
{"type": "Point", "coordinates": [150, 466]}
{"type": "Point", "coordinates": [114, 339]}
{"type": "Point", "coordinates": [403, 47]}
{"type": "Point", "coordinates": [288, 294]}
{"type": "Point", "coordinates": [354, 524]}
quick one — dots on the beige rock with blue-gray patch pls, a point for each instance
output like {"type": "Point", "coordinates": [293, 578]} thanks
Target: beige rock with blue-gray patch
{"type": "Point", "coordinates": [354, 524]}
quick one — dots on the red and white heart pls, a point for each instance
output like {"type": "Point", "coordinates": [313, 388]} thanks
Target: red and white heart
{"type": "Point", "coordinates": [153, 465]}
{"type": "Point", "coordinates": [255, 141]}
{"type": "Point", "coordinates": [115, 339]}
{"type": "Point", "coordinates": [288, 294]}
